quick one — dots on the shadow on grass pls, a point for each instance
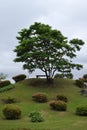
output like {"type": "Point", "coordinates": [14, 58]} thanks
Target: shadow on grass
{"type": "Point", "coordinates": [28, 129]}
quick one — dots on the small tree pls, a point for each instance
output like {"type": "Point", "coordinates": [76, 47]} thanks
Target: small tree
{"type": "Point", "coordinates": [2, 76]}
{"type": "Point", "coordinates": [44, 48]}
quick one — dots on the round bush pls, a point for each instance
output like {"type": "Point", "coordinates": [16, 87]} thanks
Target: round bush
{"type": "Point", "coordinates": [82, 110]}
{"type": "Point", "coordinates": [40, 97]}
{"type": "Point", "coordinates": [58, 105]}
{"type": "Point", "coordinates": [62, 97]}
{"type": "Point", "coordinates": [11, 112]}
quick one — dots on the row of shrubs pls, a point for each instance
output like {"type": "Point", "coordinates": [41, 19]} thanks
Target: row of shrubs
{"type": "Point", "coordinates": [59, 104]}
{"type": "Point", "coordinates": [42, 97]}
{"type": "Point", "coordinates": [12, 112]}
{"type": "Point", "coordinates": [15, 78]}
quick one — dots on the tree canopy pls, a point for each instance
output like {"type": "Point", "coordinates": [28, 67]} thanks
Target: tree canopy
{"type": "Point", "coordinates": [44, 48]}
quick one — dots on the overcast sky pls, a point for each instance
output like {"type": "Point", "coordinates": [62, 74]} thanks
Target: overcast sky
{"type": "Point", "coordinates": [68, 16]}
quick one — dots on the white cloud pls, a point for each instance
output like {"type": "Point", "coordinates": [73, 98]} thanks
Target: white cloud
{"type": "Point", "coordinates": [68, 16]}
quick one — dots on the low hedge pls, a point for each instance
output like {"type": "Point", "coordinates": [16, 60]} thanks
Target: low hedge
{"type": "Point", "coordinates": [4, 83]}
{"type": "Point", "coordinates": [18, 78]}
{"type": "Point", "coordinates": [6, 88]}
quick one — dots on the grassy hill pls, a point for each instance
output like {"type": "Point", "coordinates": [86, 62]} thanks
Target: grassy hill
{"type": "Point", "coordinates": [54, 120]}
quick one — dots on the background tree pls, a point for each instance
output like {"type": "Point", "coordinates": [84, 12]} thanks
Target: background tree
{"type": "Point", "coordinates": [47, 49]}
{"type": "Point", "coordinates": [2, 76]}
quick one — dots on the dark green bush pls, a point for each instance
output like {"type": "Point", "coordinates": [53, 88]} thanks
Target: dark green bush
{"type": "Point", "coordinates": [18, 78]}
{"type": "Point", "coordinates": [9, 100]}
{"type": "Point", "coordinates": [36, 117]}
{"type": "Point", "coordinates": [85, 77]}
{"type": "Point", "coordinates": [4, 83]}
{"type": "Point", "coordinates": [58, 76]}
{"type": "Point", "coordinates": [40, 97]}
{"type": "Point", "coordinates": [11, 112]}
{"type": "Point", "coordinates": [79, 83]}
{"type": "Point", "coordinates": [58, 105]}
{"type": "Point", "coordinates": [82, 110]}
{"type": "Point", "coordinates": [6, 88]}
{"type": "Point", "coordinates": [62, 97]}
{"type": "Point", "coordinates": [82, 79]}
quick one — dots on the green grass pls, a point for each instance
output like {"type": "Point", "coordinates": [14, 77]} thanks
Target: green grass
{"type": "Point", "coordinates": [6, 88]}
{"type": "Point", "coordinates": [54, 120]}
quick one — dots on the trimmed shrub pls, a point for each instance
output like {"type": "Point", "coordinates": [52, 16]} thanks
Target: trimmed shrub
{"type": "Point", "coordinates": [36, 117]}
{"type": "Point", "coordinates": [19, 77]}
{"type": "Point", "coordinates": [40, 97]}
{"type": "Point", "coordinates": [58, 105]}
{"type": "Point", "coordinates": [9, 100]}
{"type": "Point", "coordinates": [6, 88]}
{"type": "Point", "coordinates": [81, 110]}
{"type": "Point", "coordinates": [62, 97]}
{"type": "Point", "coordinates": [4, 83]}
{"type": "Point", "coordinates": [79, 83]}
{"type": "Point", "coordinates": [11, 112]}
{"type": "Point", "coordinates": [85, 77]}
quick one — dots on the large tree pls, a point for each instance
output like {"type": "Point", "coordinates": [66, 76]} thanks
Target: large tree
{"type": "Point", "coordinates": [44, 48]}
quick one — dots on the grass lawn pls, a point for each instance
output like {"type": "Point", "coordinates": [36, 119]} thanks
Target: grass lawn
{"type": "Point", "coordinates": [54, 120]}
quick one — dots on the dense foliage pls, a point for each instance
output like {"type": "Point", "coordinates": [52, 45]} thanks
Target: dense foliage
{"type": "Point", "coordinates": [79, 83]}
{"type": "Point", "coordinates": [6, 88]}
{"type": "Point", "coordinates": [85, 77]}
{"type": "Point", "coordinates": [36, 117]}
{"type": "Point", "coordinates": [67, 75]}
{"type": "Point", "coordinates": [82, 110]}
{"type": "Point", "coordinates": [40, 97]}
{"type": "Point", "coordinates": [18, 78]}
{"type": "Point", "coordinates": [11, 112]}
{"type": "Point", "coordinates": [62, 97]}
{"type": "Point", "coordinates": [4, 83]}
{"type": "Point", "coordinates": [44, 48]}
{"type": "Point", "coordinates": [58, 105]}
